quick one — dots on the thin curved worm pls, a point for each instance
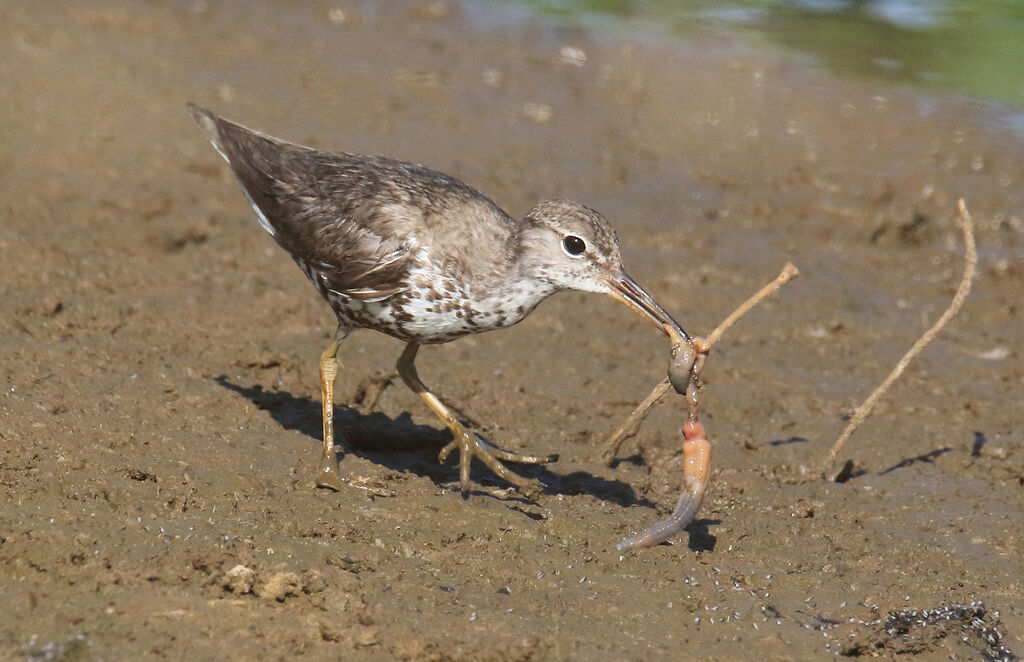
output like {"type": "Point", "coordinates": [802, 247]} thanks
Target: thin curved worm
{"type": "Point", "coordinates": [697, 458]}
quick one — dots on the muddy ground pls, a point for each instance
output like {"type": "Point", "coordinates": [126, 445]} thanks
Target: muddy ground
{"type": "Point", "coordinates": [159, 416]}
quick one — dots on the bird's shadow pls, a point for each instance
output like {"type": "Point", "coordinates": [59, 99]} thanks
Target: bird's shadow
{"type": "Point", "coordinates": [401, 445]}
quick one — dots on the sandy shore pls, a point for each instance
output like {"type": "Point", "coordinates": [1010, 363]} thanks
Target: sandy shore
{"type": "Point", "coordinates": [159, 403]}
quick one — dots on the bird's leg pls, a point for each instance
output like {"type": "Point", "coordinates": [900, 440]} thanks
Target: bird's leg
{"type": "Point", "coordinates": [328, 475]}
{"type": "Point", "coordinates": [466, 441]}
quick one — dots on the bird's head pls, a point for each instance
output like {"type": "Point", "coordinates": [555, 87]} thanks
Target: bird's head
{"type": "Point", "coordinates": [573, 247]}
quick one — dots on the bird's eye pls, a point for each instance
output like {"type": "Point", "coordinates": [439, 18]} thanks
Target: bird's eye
{"type": "Point", "coordinates": [573, 245]}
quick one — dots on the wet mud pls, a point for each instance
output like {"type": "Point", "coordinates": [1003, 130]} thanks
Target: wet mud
{"type": "Point", "coordinates": [159, 411]}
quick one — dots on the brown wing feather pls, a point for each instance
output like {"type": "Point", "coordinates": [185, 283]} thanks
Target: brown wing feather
{"type": "Point", "coordinates": [319, 208]}
{"type": "Point", "coordinates": [358, 220]}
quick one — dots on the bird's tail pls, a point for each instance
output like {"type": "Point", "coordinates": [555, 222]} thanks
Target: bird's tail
{"type": "Point", "coordinates": [270, 170]}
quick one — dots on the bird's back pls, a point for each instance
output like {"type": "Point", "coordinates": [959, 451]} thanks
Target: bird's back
{"type": "Point", "coordinates": [356, 224]}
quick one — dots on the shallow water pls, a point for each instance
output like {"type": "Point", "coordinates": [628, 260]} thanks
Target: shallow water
{"type": "Point", "coordinates": [973, 48]}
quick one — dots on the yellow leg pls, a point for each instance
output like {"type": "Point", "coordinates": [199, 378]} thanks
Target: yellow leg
{"type": "Point", "coordinates": [328, 476]}
{"type": "Point", "coordinates": [467, 442]}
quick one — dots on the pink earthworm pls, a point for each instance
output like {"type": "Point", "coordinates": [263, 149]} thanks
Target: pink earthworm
{"type": "Point", "coordinates": [684, 371]}
{"type": "Point", "coordinates": [697, 463]}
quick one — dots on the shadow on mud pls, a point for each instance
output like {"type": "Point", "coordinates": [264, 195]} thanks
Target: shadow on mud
{"type": "Point", "coordinates": [401, 445]}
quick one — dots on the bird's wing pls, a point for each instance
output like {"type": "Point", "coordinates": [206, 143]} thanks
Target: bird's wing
{"type": "Point", "coordinates": [332, 212]}
{"type": "Point", "coordinates": [356, 259]}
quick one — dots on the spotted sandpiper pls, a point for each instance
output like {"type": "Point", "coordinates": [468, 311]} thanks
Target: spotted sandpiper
{"type": "Point", "coordinates": [419, 255]}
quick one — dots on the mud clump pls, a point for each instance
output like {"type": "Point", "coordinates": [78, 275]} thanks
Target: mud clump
{"type": "Point", "coordinates": [920, 631]}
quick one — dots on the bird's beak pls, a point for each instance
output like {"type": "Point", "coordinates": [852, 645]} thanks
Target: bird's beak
{"type": "Point", "coordinates": [626, 290]}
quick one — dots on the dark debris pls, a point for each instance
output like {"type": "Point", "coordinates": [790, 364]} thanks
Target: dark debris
{"type": "Point", "coordinates": [912, 631]}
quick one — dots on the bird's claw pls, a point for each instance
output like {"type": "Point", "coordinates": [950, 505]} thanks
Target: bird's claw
{"type": "Point", "coordinates": [471, 445]}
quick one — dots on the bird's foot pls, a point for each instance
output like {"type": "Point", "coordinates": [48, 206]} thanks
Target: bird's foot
{"type": "Point", "coordinates": [471, 445]}
{"type": "Point", "coordinates": [330, 478]}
